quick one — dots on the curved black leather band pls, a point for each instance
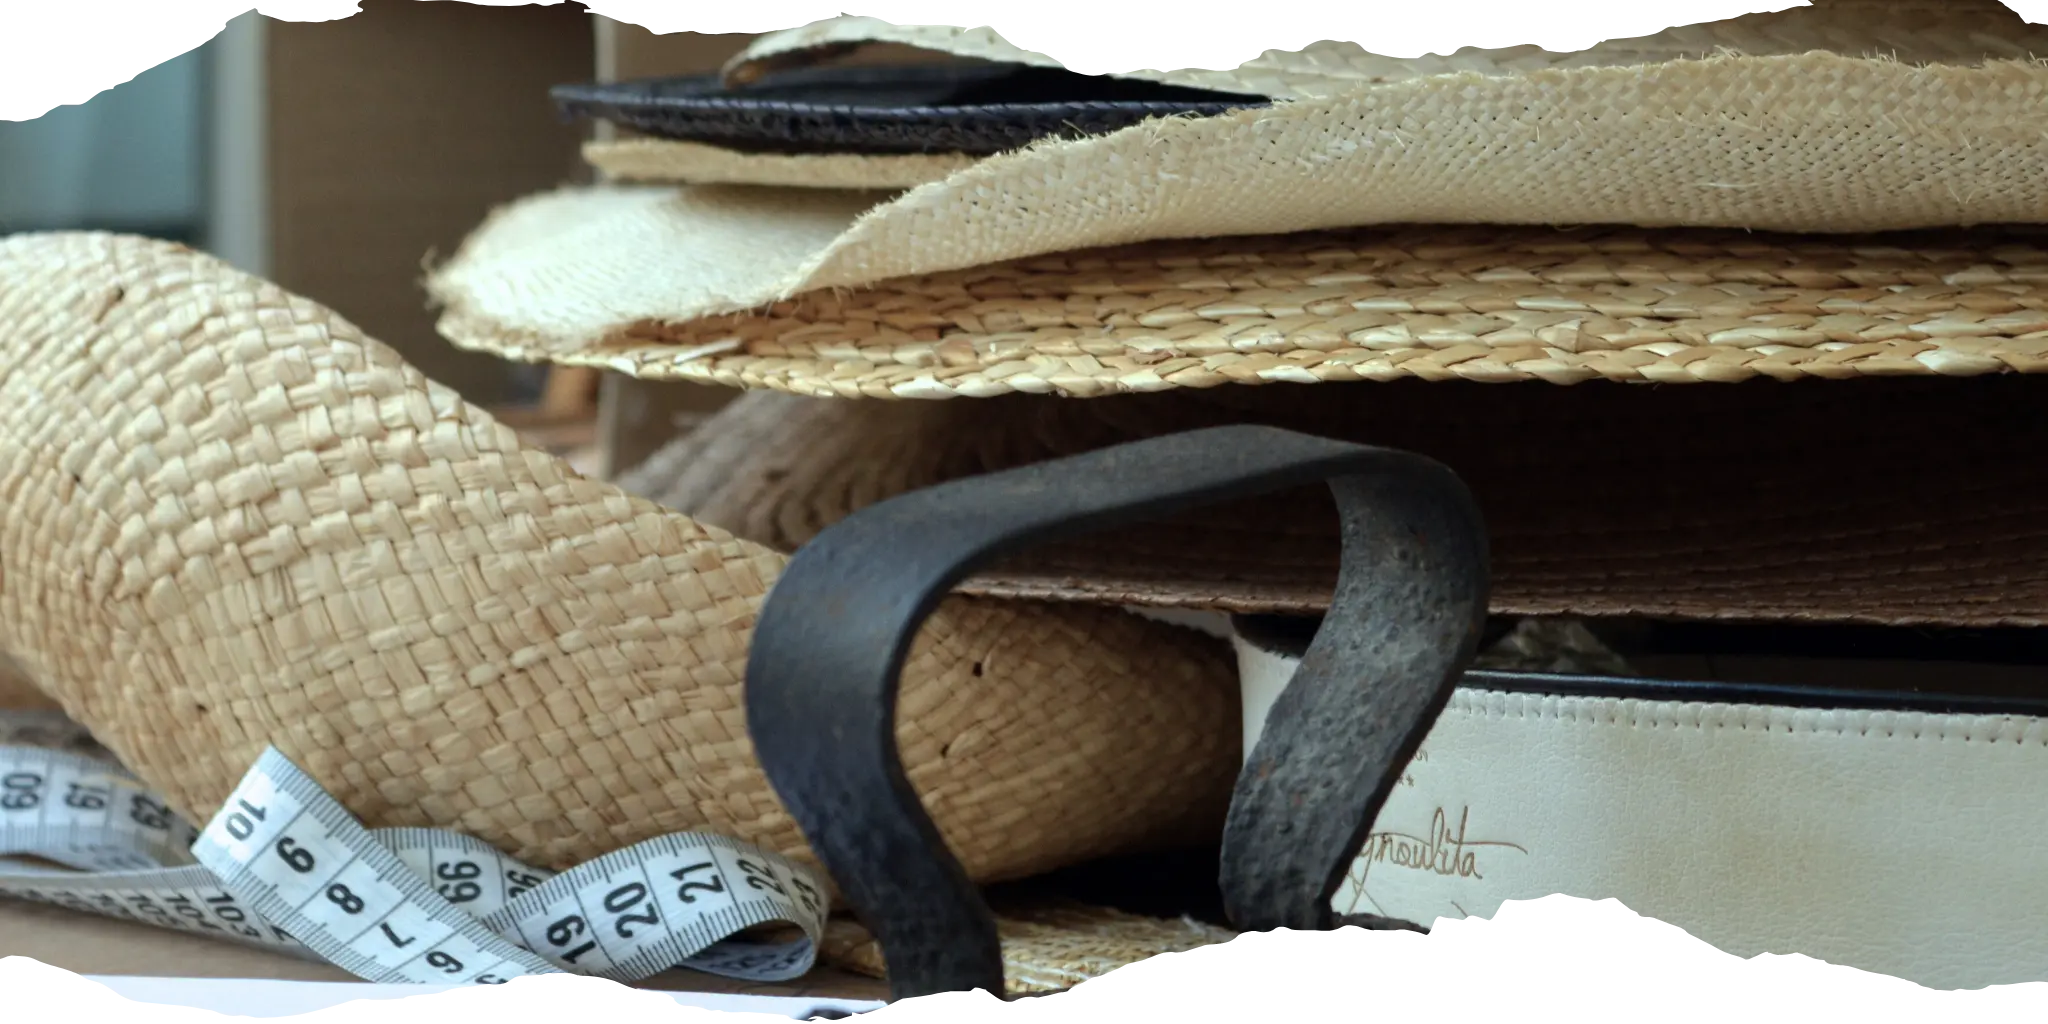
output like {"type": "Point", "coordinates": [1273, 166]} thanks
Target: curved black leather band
{"type": "Point", "coordinates": [833, 634]}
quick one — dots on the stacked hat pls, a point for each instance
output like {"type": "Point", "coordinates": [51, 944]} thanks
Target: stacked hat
{"type": "Point", "coordinates": [229, 520]}
{"type": "Point", "coordinates": [1791, 212]}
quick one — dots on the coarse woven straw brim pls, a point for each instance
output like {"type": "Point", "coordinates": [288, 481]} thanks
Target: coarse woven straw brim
{"type": "Point", "coordinates": [1805, 124]}
{"type": "Point", "coordinates": [1891, 502]}
{"type": "Point", "coordinates": [229, 519]}
{"type": "Point", "coordinates": [1483, 304]}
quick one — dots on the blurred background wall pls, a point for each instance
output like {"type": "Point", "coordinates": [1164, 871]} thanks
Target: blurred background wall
{"type": "Point", "coordinates": [131, 160]}
{"type": "Point", "coordinates": [336, 157]}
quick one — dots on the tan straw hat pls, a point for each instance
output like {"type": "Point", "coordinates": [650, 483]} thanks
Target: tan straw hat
{"type": "Point", "coordinates": [1483, 304]}
{"type": "Point", "coordinates": [228, 519]}
{"type": "Point", "coordinates": [1804, 194]}
{"type": "Point", "coordinates": [1846, 116]}
{"type": "Point", "coordinates": [1760, 502]}
{"type": "Point", "coordinates": [1915, 33]}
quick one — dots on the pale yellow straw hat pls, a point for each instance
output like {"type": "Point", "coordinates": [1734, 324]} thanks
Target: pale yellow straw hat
{"type": "Point", "coordinates": [1275, 245]}
{"type": "Point", "coordinates": [1716, 59]}
{"type": "Point", "coordinates": [1765, 502]}
{"type": "Point", "coordinates": [228, 519]}
{"type": "Point", "coordinates": [1847, 116]}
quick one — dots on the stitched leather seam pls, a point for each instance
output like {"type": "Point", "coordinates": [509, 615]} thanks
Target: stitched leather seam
{"type": "Point", "coordinates": [1638, 714]}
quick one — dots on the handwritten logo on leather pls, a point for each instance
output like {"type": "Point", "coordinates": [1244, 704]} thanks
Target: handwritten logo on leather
{"type": "Point", "coordinates": [1443, 850]}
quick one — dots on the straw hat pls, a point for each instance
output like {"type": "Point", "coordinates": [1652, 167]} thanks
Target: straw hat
{"type": "Point", "coordinates": [1850, 115]}
{"type": "Point", "coordinates": [228, 519]}
{"type": "Point", "coordinates": [1149, 266]}
{"type": "Point", "coordinates": [1761, 502]}
{"type": "Point", "coordinates": [1951, 33]}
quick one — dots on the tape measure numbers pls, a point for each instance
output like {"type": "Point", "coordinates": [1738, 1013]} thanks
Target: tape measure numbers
{"type": "Point", "coordinates": [284, 866]}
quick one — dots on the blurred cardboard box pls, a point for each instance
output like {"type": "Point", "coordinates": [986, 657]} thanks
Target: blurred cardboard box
{"type": "Point", "coordinates": [635, 418]}
{"type": "Point", "coordinates": [389, 135]}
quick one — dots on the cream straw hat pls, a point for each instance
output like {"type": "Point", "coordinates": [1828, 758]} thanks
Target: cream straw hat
{"type": "Point", "coordinates": [1148, 266]}
{"type": "Point", "coordinates": [1846, 116]}
{"type": "Point", "coordinates": [228, 519]}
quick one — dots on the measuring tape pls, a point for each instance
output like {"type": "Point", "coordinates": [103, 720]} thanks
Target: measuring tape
{"type": "Point", "coordinates": [284, 866]}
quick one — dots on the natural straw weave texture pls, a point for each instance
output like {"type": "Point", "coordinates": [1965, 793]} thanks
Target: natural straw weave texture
{"type": "Point", "coordinates": [1051, 947]}
{"type": "Point", "coordinates": [228, 519]}
{"type": "Point", "coordinates": [1758, 502]}
{"type": "Point", "coordinates": [1483, 304]}
{"type": "Point", "coordinates": [1822, 130]}
{"type": "Point", "coordinates": [674, 160]}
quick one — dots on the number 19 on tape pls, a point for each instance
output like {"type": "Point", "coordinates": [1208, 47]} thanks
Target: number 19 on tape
{"type": "Point", "coordinates": [368, 902]}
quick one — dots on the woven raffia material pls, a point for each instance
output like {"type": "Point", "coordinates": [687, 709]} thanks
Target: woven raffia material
{"type": "Point", "coordinates": [1811, 135]}
{"type": "Point", "coordinates": [673, 160]}
{"type": "Point", "coordinates": [1494, 305]}
{"type": "Point", "coordinates": [228, 519]}
{"type": "Point", "coordinates": [1759, 501]}
{"type": "Point", "coordinates": [1050, 947]}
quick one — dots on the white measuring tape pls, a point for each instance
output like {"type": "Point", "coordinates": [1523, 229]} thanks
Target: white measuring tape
{"type": "Point", "coordinates": [286, 867]}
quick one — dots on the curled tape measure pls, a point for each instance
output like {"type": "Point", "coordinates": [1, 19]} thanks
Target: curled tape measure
{"type": "Point", "coordinates": [284, 866]}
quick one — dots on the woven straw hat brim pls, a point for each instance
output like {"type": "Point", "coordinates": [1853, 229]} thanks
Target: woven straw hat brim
{"type": "Point", "coordinates": [228, 519]}
{"type": "Point", "coordinates": [1494, 305]}
{"type": "Point", "coordinates": [1798, 139]}
{"type": "Point", "coordinates": [1758, 502]}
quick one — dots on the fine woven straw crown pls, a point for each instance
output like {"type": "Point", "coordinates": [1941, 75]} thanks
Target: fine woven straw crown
{"type": "Point", "coordinates": [1843, 117]}
{"type": "Point", "coordinates": [228, 519]}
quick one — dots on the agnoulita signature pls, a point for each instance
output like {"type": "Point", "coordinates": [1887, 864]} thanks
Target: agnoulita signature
{"type": "Point", "coordinates": [1443, 851]}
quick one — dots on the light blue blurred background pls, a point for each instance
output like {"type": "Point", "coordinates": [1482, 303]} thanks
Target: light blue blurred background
{"type": "Point", "coordinates": [177, 152]}
{"type": "Point", "coordinates": [132, 159]}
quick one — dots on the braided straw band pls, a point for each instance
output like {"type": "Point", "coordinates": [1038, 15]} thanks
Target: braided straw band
{"type": "Point", "coordinates": [229, 519]}
{"type": "Point", "coordinates": [1892, 502]}
{"type": "Point", "coordinates": [1485, 304]}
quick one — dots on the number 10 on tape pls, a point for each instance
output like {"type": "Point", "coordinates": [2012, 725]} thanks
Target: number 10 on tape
{"type": "Point", "coordinates": [280, 845]}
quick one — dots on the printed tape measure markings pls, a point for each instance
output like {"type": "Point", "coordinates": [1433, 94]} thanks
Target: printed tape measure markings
{"type": "Point", "coordinates": [240, 860]}
{"type": "Point", "coordinates": [90, 792]}
{"type": "Point", "coordinates": [283, 866]}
